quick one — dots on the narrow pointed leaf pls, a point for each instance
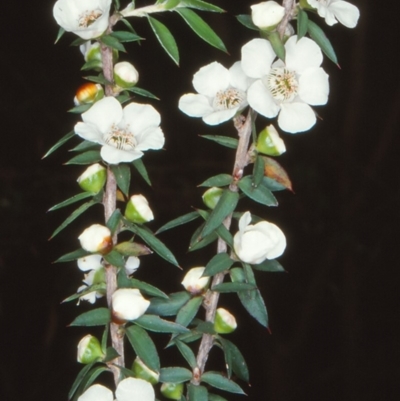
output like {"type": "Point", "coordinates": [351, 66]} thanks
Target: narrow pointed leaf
{"type": "Point", "coordinates": [98, 79]}
{"type": "Point", "coordinates": [111, 354]}
{"type": "Point", "coordinates": [125, 36]}
{"type": "Point", "coordinates": [233, 287]}
{"type": "Point", "coordinates": [203, 242]}
{"type": "Point", "coordinates": [104, 338]}
{"type": "Point", "coordinates": [277, 44]}
{"type": "Point", "coordinates": [93, 375]}
{"type": "Point", "coordinates": [302, 23]}
{"type": "Point", "coordinates": [246, 20]}
{"type": "Point", "coordinates": [188, 337]}
{"type": "Point", "coordinates": [220, 180]}
{"type": "Point", "coordinates": [259, 194]}
{"type": "Point", "coordinates": [201, 28]}
{"type": "Point", "coordinates": [78, 42]}
{"type": "Point", "coordinates": [225, 235]}
{"type": "Point", "coordinates": [258, 171]}
{"type": "Point", "coordinates": [218, 264]}
{"type": "Point", "coordinates": [70, 201]}
{"type": "Point", "coordinates": [122, 174]}
{"type": "Point", "coordinates": [128, 25]}
{"type": "Point", "coordinates": [147, 289]}
{"type": "Point", "coordinates": [91, 65]}
{"type": "Point", "coordinates": [189, 311]}
{"type": "Point", "coordinates": [96, 287]}
{"type": "Point", "coordinates": [89, 157]}
{"type": "Point", "coordinates": [234, 359]}
{"type": "Point", "coordinates": [187, 353]}
{"type": "Point", "coordinates": [84, 145]}
{"type": "Point", "coordinates": [175, 375]}
{"type": "Point", "coordinates": [170, 306]}
{"type": "Point", "coordinates": [206, 328]}
{"type": "Point", "coordinates": [132, 249]}
{"type": "Point", "coordinates": [142, 92]}
{"type": "Point", "coordinates": [60, 33]}
{"type": "Point", "coordinates": [158, 325]}
{"type": "Point", "coordinates": [226, 141]}
{"type": "Point", "coordinates": [319, 37]}
{"type": "Point", "coordinates": [269, 266]}
{"type": "Point", "coordinates": [68, 257]}
{"type": "Point", "coordinates": [144, 347]}
{"type": "Point", "coordinates": [197, 393]}
{"type": "Point", "coordinates": [114, 258]}
{"type": "Point", "coordinates": [113, 42]}
{"type": "Point", "coordinates": [215, 397]}
{"type": "Point", "coordinates": [200, 5]}
{"type": "Point", "coordinates": [80, 109]}
{"type": "Point", "coordinates": [114, 220]}
{"type": "Point", "coordinates": [95, 317]}
{"type": "Point", "coordinates": [218, 381]}
{"type": "Point", "coordinates": [186, 218]}
{"type": "Point", "coordinates": [141, 168]}
{"type": "Point", "coordinates": [59, 143]}
{"type": "Point", "coordinates": [165, 38]}
{"type": "Point", "coordinates": [82, 373]}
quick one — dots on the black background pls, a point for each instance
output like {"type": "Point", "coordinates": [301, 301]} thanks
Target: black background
{"type": "Point", "coordinates": [333, 316]}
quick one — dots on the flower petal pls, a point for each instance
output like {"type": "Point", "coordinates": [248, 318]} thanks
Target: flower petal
{"type": "Point", "coordinates": [302, 54]}
{"type": "Point", "coordinates": [244, 221]}
{"type": "Point", "coordinates": [210, 79]}
{"type": "Point", "coordinates": [150, 138]}
{"type": "Point", "coordinates": [90, 262]}
{"type": "Point", "coordinates": [314, 86]}
{"type": "Point", "coordinates": [276, 237]}
{"type": "Point", "coordinates": [257, 57]}
{"type": "Point", "coordinates": [97, 392]}
{"type": "Point", "coordinates": [261, 100]}
{"type": "Point", "coordinates": [134, 389]}
{"type": "Point", "coordinates": [346, 13]}
{"type": "Point", "coordinates": [89, 132]}
{"type": "Point", "coordinates": [113, 155]}
{"type": "Point", "coordinates": [195, 105]}
{"type": "Point", "coordinates": [220, 116]}
{"type": "Point", "coordinates": [141, 116]}
{"type": "Point", "coordinates": [296, 117]}
{"type": "Point", "coordinates": [238, 79]}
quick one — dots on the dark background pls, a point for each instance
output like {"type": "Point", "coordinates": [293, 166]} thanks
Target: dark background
{"type": "Point", "coordinates": [333, 317]}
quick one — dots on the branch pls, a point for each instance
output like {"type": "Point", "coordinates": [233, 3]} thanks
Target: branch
{"type": "Point", "coordinates": [290, 7]}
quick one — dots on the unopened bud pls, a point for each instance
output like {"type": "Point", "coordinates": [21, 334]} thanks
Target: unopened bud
{"type": "Point", "coordinates": [128, 304]}
{"type": "Point", "coordinates": [125, 75]}
{"type": "Point", "coordinates": [96, 239]}
{"type": "Point", "coordinates": [93, 178]}
{"type": "Point", "coordinates": [267, 15]}
{"type": "Point", "coordinates": [88, 93]}
{"type": "Point", "coordinates": [194, 282]}
{"type": "Point", "coordinates": [172, 391]}
{"type": "Point", "coordinates": [138, 210]}
{"type": "Point", "coordinates": [141, 371]}
{"type": "Point", "coordinates": [224, 322]}
{"type": "Point", "coordinates": [89, 350]}
{"type": "Point", "coordinates": [212, 196]}
{"type": "Point", "coordinates": [269, 142]}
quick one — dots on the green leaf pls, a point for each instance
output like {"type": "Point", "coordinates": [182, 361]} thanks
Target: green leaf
{"type": "Point", "coordinates": [218, 381]}
{"type": "Point", "coordinates": [197, 393]}
{"type": "Point", "coordinates": [111, 354]}
{"type": "Point", "coordinates": [113, 222]}
{"type": "Point", "coordinates": [158, 325]}
{"type": "Point", "coordinates": [233, 287]}
{"type": "Point", "coordinates": [99, 79]}
{"type": "Point", "coordinates": [215, 397]}
{"type": "Point", "coordinates": [258, 171]}
{"type": "Point", "coordinates": [246, 20]}
{"type": "Point", "coordinates": [101, 287]}
{"type": "Point", "coordinates": [201, 28]}
{"type": "Point", "coordinates": [91, 65]}
{"type": "Point", "coordinates": [128, 248]}
{"type": "Point", "coordinates": [276, 43]}
{"type": "Point", "coordinates": [68, 257]}
{"type": "Point", "coordinates": [225, 206]}
{"type": "Point", "coordinates": [147, 289]}
{"type": "Point", "coordinates": [80, 109]}
{"type": "Point", "coordinates": [70, 201]}
{"type": "Point", "coordinates": [187, 353]}
{"type": "Point", "coordinates": [125, 36]}
{"type": "Point", "coordinates": [203, 242]}
{"type": "Point", "coordinates": [269, 266]}
{"type": "Point", "coordinates": [225, 235]}
{"type": "Point", "coordinates": [251, 300]}
{"type": "Point", "coordinates": [220, 180]}
{"type": "Point", "coordinates": [188, 337]}
{"type": "Point", "coordinates": [114, 258]}
{"type": "Point", "coordinates": [154, 243]}
{"type": "Point", "coordinates": [165, 38]}
{"type": "Point", "coordinates": [272, 185]}
{"type": "Point", "coordinates": [59, 143]}
{"type": "Point", "coordinates": [206, 328]}
{"type": "Point", "coordinates": [60, 33]}
{"type": "Point", "coordinates": [186, 218]}
{"type": "Point", "coordinates": [89, 157]}
{"type": "Point", "coordinates": [234, 359]}
{"type": "Point", "coordinates": [302, 23]}
{"type": "Point", "coordinates": [94, 317]}
{"type": "Point", "coordinates": [259, 194]}
{"type": "Point", "coordinates": [92, 376]}
{"type": "Point", "coordinates": [82, 373]}
{"type": "Point", "coordinates": [75, 214]}
{"type": "Point", "coordinates": [104, 338]}
{"type": "Point", "coordinates": [200, 5]}
{"type": "Point", "coordinates": [144, 347]}
{"type": "Point", "coordinates": [319, 37]}
{"type": "Point", "coordinates": [189, 311]}
{"type": "Point", "coordinates": [226, 141]}
{"type": "Point", "coordinates": [122, 174]}
{"type": "Point", "coordinates": [128, 25]}
{"type": "Point", "coordinates": [218, 264]}
{"type": "Point", "coordinates": [142, 92]}
{"type": "Point", "coordinates": [78, 42]}
{"type": "Point", "coordinates": [140, 167]}
{"type": "Point", "coordinates": [175, 375]}
{"type": "Point", "coordinates": [84, 145]}
{"type": "Point", "coordinates": [113, 42]}
{"type": "Point", "coordinates": [168, 307]}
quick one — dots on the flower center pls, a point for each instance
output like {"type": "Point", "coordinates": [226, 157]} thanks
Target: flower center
{"type": "Point", "coordinates": [121, 138]}
{"type": "Point", "coordinates": [87, 18]}
{"type": "Point", "coordinates": [229, 99]}
{"type": "Point", "coordinates": [282, 83]}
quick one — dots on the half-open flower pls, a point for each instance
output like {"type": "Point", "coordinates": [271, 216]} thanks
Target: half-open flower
{"type": "Point", "coordinates": [221, 93]}
{"type": "Point", "coordinates": [128, 304]}
{"type": "Point", "coordinates": [89, 350]}
{"type": "Point", "coordinates": [224, 322]}
{"type": "Point", "coordinates": [93, 178]}
{"type": "Point", "coordinates": [125, 74]}
{"type": "Point", "coordinates": [96, 239]}
{"type": "Point", "coordinates": [124, 133]}
{"type": "Point", "coordinates": [255, 243]}
{"type": "Point", "coordinates": [267, 15]}
{"type": "Point", "coordinates": [87, 19]}
{"type": "Point", "coordinates": [138, 210]}
{"type": "Point", "coordinates": [194, 281]}
{"type": "Point", "coordinates": [141, 371]}
{"type": "Point", "coordinates": [289, 88]}
{"type": "Point", "coordinates": [269, 142]}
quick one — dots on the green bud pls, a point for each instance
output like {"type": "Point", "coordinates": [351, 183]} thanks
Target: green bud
{"type": "Point", "coordinates": [138, 210]}
{"type": "Point", "coordinates": [89, 350]}
{"type": "Point", "coordinates": [172, 391]}
{"type": "Point", "coordinates": [212, 196]}
{"type": "Point", "coordinates": [269, 142]}
{"type": "Point", "coordinates": [93, 178]}
{"type": "Point", "coordinates": [141, 371]}
{"type": "Point", "coordinates": [125, 75]}
{"type": "Point", "coordinates": [224, 322]}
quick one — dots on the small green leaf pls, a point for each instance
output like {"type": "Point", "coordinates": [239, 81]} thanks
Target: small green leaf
{"type": "Point", "coordinates": [201, 28]}
{"type": "Point", "coordinates": [215, 397]}
{"type": "Point", "coordinates": [113, 42]}
{"type": "Point", "coordinates": [259, 194]}
{"type": "Point", "coordinates": [113, 221]}
{"type": "Point", "coordinates": [206, 328]}
{"type": "Point", "coordinates": [75, 214]}
{"type": "Point", "coordinates": [70, 201]}
{"type": "Point", "coordinates": [302, 23]}
{"type": "Point", "coordinates": [225, 235]}
{"type": "Point", "coordinates": [189, 311]}
{"type": "Point", "coordinates": [91, 65]}
{"type": "Point", "coordinates": [125, 36]}
{"type": "Point", "coordinates": [220, 180]}
{"type": "Point", "coordinates": [80, 109]}
{"type": "Point", "coordinates": [175, 375]}
{"type": "Point", "coordinates": [165, 38]}
{"type": "Point", "coordinates": [276, 43]}
{"type": "Point", "coordinates": [186, 218]}
{"type": "Point", "coordinates": [143, 346]}
{"type": "Point", "coordinates": [218, 264]}
{"type": "Point", "coordinates": [233, 287]}
{"type": "Point", "coordinates": [60, 33]}
{"type": "Point", "coordinates": [170, 306]}
{"type": "Point", "coordinates": [104, 338]}
{"type": "Point", "coordinates": [197, 393]}
{"type": "Point", "coordinates": [84, 145]}
{"type": "Point", "coordinates": [269, 266]}
{"type": "Point", "coordinates": [68, 257]}
{"type": "Point", "coordinates": [188, 337]}
{"type": "Point", "coordinates": [128, 248]}
{"type": "Point", "coordinates": [94, 317]}
{"type": "Point", "coordinates": [200, 5]}
{"type": "Point", "coordinates": [59, 143]}
{"type": "Point", "coordinates": [319, 37]}
{"type": "Point", "coordinates": [234, 359]}
{"type": "Point", "coordinates": [141, 168]}
{"type": "Point", "coordinates": [147, 289]}
{"type": "Point", "coordinates": [187, 353]}
{"type": "Point", "coordinates": [158, 325]}
{"type": "Point", "coordinates": [92, 376]}
{"type": "Point", "coordinates": [78, 42]}
{"type": "Point", "coordinates": [122, 174]}
{"type": "Point", "coordinates": [246, 20]}
{"type": "Point", "coordinates": [101, 287]}
{"type": "Point", "coordinates": [89, 157]}
{"type": "Point", "coordinates": [114, 258]}
{"type": "Point", "coordinates": [142, 92]}
{"type": "Point", "coordinates": [79, 379]}
{"type": "Point", "coordinates": [258, 171]}
{"type": "Point", "coordinates": [216, 380]}
{"type": "Point", "coordinates": [226, 141]}
{"type": "Point", "coordinates": [128, 25]}
{"type": "Point", "coordinates": [203, 242]}
{"type": "Point", "coordinates": [111, 354]}
{"type": "Point", "coordinates": [99, 79]}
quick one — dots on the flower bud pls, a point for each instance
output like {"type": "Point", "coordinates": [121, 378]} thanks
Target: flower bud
{"type": "Point", "coordinates": [97, 392]}
{"type": "Point", "coordinates": [128, 304]}
{"type": "Point", "coordinates": [138, 210]}
{"type": "Point", "coordinates": [172, 391]}
{"type": "Point", "coordinates": [93, 178]}
{"type": "Point", "coordinates": [212, 196]}
{"type": "Point", "coordinates": [89, 350]}
{"type": "Point", "coordinates": [267, 15]}
{"type": "Point", "coordinates": [132, 264]}
{"type": "Point", "coordinates": [96, 239]}
{"type": "Point", "coordinates": [269, 142]}
{"type": "Point", "coordinates": [88, 93]}
{"type": "Point", "coordinates": [141, 371]}
{"type": "Point", "coordinates": [125, 75]}
{"type": "Point", "coordinates": [132, 389]}
{"type": "Point", "coordinates": [92, 53]}
{"type": "Point", "coordinates": [224, 321]}
{"type": "Point", "coordinates": [194, 282]}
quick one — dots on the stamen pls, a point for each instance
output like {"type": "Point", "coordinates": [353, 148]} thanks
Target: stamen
{"type": "Point", "coordinates": [282, 83]}
{"type": "Point", "coordinates": [87, 18]}
{"type": "Point", "coordinates": [229, 99]}
{"type": "Point", "coordinates": [121, 138]}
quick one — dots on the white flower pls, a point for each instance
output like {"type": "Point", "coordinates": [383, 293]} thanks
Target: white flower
{"type": "Point", "coordinates": [95, 276]}
{"type": "Point", "coordinates": [90, 262]}
{"type": "Point", "coordinates": [85, 18]}
{"type": "Point", "coordinates": [337, 10]}
{"type": "Point", "coordinates": [286, 88]}
{"type": "Point", "coordinates": [96, 239]}
{"type": "Point", "coordinates": [255, 243]}
{"type": "Point", "coordinates": [128, 304]}
{"type": "Point", "coordinates": [124, 133]}
{"type": "Point", "coordinates": [128, 389]}
{"type": "Point", "coordinates": [221, 93]}
{"type": "Point", "coordinates": [194, 281]}
{"type": "Point", "coordinates": [267, 15]}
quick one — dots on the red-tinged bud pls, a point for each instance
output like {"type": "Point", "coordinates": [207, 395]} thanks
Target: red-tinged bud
{"type": "Point", "coordinates": [88, 93]}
